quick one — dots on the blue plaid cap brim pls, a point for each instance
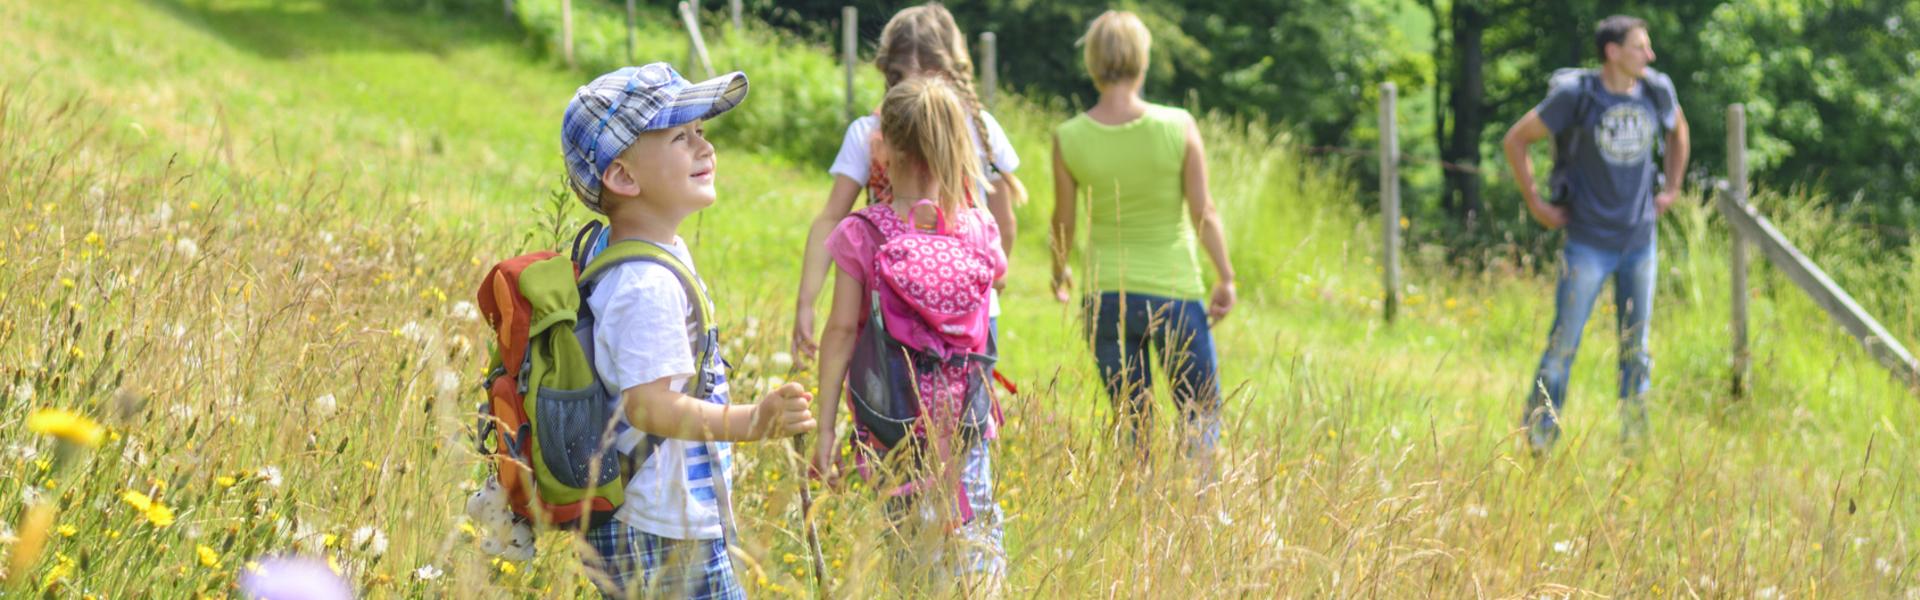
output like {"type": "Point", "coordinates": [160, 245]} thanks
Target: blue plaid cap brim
{"type": "Point", "coordinates": [608, 114]}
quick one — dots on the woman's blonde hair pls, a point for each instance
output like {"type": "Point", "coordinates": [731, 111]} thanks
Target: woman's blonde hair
{"type": "Point", "coordinates": [1116, 48]}
{"type": "Point", "coordinates": [925, 39]}
{"type": "Point", "coordinates": [924, 121]}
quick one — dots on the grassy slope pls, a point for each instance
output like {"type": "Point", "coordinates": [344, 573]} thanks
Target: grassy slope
{"type": "Point", "coordinates": [399, 152]}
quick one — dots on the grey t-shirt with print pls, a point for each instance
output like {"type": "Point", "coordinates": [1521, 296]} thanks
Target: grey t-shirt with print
{"type": "Point", "coordinates": [1604, 169]}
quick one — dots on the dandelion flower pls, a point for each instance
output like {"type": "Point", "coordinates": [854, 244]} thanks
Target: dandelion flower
{"type": "Point", "coordinates": [208, 557]}
{"type": "Point", "coordinates": [371, 539]}
{"type": "Point", "coordinates": [156, 513]}
{"type": "Point", "coordinates": [325, 405]}
{"type": "Point", "coordinates": [226, 481]}
{"type": "Point", "coordinates": [186, 248]}
{"type": "Point", "coordinates": [270, 475]}
{"type": "Point", "coordinates": [68, 530]}
{"type": "Point", "coordinates": [66, 425]}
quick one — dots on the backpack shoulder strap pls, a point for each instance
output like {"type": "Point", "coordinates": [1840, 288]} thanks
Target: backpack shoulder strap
{"type": "Point", "coordinates": [700, 324]}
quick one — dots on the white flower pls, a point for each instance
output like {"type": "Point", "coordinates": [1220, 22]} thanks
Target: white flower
{"type": "Point", "coordinates": [23, 393]}
{"type": "Point", "coordinates": [782, 361]}
{"type": "Point", "coordinates": [446, 381]}
{"type": "Point", "coordinates": [427, 573]}
{"type": "Point", "coordinates": [1477, 511]}
{"type": "Point", "coordinates": [182, 411]}
{"type": "Point", "coordinates": [186, 247]}
{"type": "Point", "coordinates": [1884, 566]}
{"type": "Point", "coordinates": [371, 539]}
{"type": "Point", "coordinates": [325, 405]}
{"type": "Point", "coordinates": [163, 213]}
{"type": "Point", "coordinates": [1767, 593]}
{"type": "Point", "coordinates": [7, 536]}
{"type": "Point", "coordinates": [24, 452]}
{"type": "Point", "coordinates": [271, 475]}
{"type": "Point", "coordinates": [1707, 583]}
{"type": "Point", "coordinates": [414, 332]}
{"type": "Point", "coordinates": [465, 311]}
{"type": "Point", "coordinates": [1563, 546]}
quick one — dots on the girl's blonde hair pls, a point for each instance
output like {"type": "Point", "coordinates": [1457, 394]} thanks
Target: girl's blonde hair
{"type": "Point", "coordinates": [923, 40]}
{"type": "Point", "coordinates": [924, 121]}
{"type": "Point", "coordinates": [1116, 48]}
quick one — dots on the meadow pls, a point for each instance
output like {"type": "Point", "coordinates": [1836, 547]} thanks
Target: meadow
{"type": "Point", "coordinates": [244, 235]}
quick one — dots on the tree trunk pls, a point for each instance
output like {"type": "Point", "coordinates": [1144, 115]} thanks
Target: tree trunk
{"type": "Point", "coordinates": [1462, 196]}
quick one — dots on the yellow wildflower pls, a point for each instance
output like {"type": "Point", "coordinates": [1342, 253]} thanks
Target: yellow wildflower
{"type": "Point", "coordinates": [66, 425]}
{"type": "Point", "coordinates": [93, 239]}
{"type": "Point", "coordinates": [66, 282]}
{"type": "Point", "coordinates": [68, 530]}
{"type": "Point", "coordinates": [226, 481]}
{"type": "Point", "coordinates": [208, 557]}
{"type": "Point", "coordinates": [156, 513]}
{"type": "Point", "coordinates": [789, 558]}
{"type": "Point", "coordinates": [507, 568]}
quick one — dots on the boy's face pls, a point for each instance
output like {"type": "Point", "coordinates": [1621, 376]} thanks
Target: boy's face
{"type": "Point", "coordinates": [669, 167]}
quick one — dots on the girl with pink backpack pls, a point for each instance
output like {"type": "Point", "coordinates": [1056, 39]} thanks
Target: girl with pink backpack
{"type": "Point", "coordinates": [909, 343]}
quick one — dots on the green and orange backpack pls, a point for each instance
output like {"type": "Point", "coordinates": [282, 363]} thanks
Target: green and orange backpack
{"type": "Point", "coordinates": [549, 418]}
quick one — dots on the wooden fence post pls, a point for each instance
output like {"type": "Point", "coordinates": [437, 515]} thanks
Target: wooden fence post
{"type": "Point", "coordinates": [693, 33]}
{"type": "Point", "coordinates": [989, 72]}
{"type": "Point", "coordinates": [1737, 192]}
{"type": "Point", "coordinates": [1389, 200]}
{"type": "Point", "coordinates": [633, 26]}
{"type": "Point", "coordinates": [849, 47]}
{"type": "Point", "coordinates": [566, 31]}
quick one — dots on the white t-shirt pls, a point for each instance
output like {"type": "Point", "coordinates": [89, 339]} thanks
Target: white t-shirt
{"type": "Point", "coordinates": [856, 151]}
{"type": "Point", "coordinates": [855, 161]}
{"type": "Point", "coordinates": [640, 336]}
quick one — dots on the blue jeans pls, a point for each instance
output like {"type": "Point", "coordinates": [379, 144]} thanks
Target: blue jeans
{"type": "Point", "coordinates": [1125, 330]}
{"type": "Point", "coordinates": [1584, 269]}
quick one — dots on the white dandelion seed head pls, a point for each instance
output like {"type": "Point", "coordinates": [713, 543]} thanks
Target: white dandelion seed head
{"type": "Point", "coordinates": [325, 405]}
{"type": "Point", "coordinates": [446, 381]}
{"type": "Point", "coordinates": [271, 475]}
{"type": "Point", "coordinates": [23, 392]}
{"type": "Point", "coordinates": [465, 311]}
{"type": "Point", "coordinates": [371, 539]}
{"type": "Point", "coordinates": [186, 247]}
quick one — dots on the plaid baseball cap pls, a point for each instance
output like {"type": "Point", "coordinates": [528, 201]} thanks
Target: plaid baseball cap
{"type": "Point", "coordinates": [609, 113]}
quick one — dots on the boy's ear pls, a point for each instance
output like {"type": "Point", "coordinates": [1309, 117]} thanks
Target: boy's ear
{"type": "Point", "coordinates": [619, 180]}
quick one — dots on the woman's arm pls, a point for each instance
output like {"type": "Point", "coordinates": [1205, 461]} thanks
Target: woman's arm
{"type": "Point", "coordinates": [814, 264]}
{"type": "Point", "coordinates": [1206, 222]}
{"type": "Point", "coordinates": [1060, 238]}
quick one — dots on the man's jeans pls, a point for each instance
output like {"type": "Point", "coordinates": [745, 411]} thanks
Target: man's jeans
{"type": "Point", "coordinates": [1584, 269]}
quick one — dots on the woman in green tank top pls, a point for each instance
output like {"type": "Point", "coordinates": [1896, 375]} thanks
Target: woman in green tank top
{"type": "Point", "coordinates": [1141, 170]}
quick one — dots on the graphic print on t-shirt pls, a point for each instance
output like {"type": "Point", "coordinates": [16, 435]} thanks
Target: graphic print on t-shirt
{"type": "Point", "coordinates": [1625, 133]}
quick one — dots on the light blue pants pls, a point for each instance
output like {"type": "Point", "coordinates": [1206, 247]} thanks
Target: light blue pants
{"type": "Point", "coordinates": [1584, 269]}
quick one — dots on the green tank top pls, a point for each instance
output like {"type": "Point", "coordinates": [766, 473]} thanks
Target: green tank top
{"type": "Point", "coordinates": [1141, 239]}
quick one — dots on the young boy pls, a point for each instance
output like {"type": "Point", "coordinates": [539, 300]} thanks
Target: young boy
{"type": "Point", "coordinates": [636, 152]}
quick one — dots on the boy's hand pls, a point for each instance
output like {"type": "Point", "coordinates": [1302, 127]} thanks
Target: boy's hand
{"type": "Point", "coordinates": [785, 412]}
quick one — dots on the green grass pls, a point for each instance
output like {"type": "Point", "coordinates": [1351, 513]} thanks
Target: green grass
{"type": "Point", "coordinates": [342, 177]}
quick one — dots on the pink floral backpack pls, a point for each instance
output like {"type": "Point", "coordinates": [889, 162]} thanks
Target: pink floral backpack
{"type": "Point", "coordinates": [925, 354]}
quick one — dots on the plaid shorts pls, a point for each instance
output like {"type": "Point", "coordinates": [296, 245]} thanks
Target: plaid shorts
{"type": "Point", "coordinates": [665, 567]}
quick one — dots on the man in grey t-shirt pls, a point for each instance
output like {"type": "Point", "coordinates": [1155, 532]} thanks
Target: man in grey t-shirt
{"type": "Point", "coordinates": [1606, 126]}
